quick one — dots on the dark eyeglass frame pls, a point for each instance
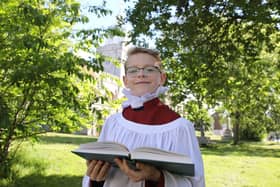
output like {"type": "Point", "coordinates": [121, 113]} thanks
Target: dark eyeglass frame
{"type": "Point", "coordinates": [156, 68]}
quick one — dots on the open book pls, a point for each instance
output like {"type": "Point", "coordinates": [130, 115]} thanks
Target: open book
{"type": "Point", "coordinates": [107, 151]}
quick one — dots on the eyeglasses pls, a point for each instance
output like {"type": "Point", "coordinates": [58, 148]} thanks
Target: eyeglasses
{"type": "Point", "coordinates": [147, 71]}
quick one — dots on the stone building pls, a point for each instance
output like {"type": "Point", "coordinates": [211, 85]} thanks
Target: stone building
{"type": "Point", "coordinates": [115, 48]}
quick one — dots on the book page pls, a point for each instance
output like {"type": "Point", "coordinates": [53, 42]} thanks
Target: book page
{"type": "Point", "coordinates": [149, 153]}
{"type": "Point", "coordinates": [109, 148]}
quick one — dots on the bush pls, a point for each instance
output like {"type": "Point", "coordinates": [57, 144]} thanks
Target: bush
{"type": "Point", "coordinates": [252, 132]}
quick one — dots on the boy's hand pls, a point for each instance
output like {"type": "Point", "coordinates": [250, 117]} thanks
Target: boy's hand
{"type": "Point", "coordinates": [143, 172]}
{"type": "Point", "coordinates": [97, 170]}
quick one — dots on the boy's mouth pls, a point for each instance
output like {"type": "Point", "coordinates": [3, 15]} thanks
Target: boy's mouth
{"type": "Point", "coordinates": [142, 82]}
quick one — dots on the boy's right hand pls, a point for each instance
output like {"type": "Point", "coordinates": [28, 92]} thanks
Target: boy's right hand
{"type": "Point", "coordinates": [142, 171]}
{"type": "Point", "coordinates": [97, 169]}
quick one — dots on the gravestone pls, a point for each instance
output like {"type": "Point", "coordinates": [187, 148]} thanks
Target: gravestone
{"type": "Point", "coordinates": [227, 135]}
{"type": "Point", "coordinates": [217, 129]}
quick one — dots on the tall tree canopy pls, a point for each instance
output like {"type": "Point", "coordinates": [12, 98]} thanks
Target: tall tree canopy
{"type": "Point", "coordinates": [214, 51]}
{"type": "Point", "coordinates": [40, 71]}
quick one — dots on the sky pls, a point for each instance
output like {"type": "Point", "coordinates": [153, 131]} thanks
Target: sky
{"type": "Point", "coordinates": [117, 6]}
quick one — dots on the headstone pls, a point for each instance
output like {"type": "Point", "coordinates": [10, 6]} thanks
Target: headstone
{"type": "Point", "coordinates": [217, 124]}
{"type": "Point", "coordinates": [227, 135]}
{"type": "Point", "coordinates": [217, 129]}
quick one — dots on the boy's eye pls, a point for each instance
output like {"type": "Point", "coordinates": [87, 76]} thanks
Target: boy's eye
{"type": "Point", "coordinates": [132, 70]}
{"type": "Point", "coordinates": [150, 69]}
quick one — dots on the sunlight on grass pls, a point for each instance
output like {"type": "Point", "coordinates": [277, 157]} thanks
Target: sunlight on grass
{"type": "Point", "coordinates": [248, 164]}
{"type": "Point", "coordinates": [50, 162]}
{"type": "Point", "coordinates": [241, 171]}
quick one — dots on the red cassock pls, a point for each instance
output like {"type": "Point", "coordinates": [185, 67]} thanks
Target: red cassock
{"type": "Point", "coordinates": [154, 112]}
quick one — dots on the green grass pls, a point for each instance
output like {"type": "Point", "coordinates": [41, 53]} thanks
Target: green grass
{"type": "Point", "coordinates": [50, 163]}
{"type": "Point", "coordinates": [249, 164]}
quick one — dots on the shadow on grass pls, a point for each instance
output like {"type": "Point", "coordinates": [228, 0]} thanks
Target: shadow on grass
{"type": "Point", "coordinates": [65, 139]}
{"type": "Point", "coordinates": [27, 172]}
{"type": "Point", "coordinates": [35, 180]}
{"type": "Point", "coordinates": [243, 149]}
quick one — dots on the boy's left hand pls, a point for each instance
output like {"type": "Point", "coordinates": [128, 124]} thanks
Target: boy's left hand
{"type": "Point", "coordinates": [143, 172]}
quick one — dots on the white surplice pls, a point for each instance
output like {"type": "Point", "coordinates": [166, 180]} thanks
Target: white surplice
{"type": "Point", "coordinates": [176, 136]}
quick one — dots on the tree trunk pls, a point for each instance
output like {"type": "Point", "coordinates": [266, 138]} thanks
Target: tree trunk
{"type": "Point", "coordinates": [201, 123]}
{"type": "Point", "coordinates": [236, 128]}
{"type": "Point", "coordinates": [6, 140]}
{"type": "Point", "coordinates": [4, 161]}
{"type": "Point", "coordinates": [202, 129]}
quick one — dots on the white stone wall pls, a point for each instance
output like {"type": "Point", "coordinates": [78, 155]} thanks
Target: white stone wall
{"type": "Point", "coordinates": [114, 48]}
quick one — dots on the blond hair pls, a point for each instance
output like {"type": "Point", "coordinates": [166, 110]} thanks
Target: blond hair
{"type": "Point", "coordinates": [136, 50]}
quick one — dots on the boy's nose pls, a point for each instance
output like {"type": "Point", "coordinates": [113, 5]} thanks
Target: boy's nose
{"type": "Point", "coordinates": [141, 73]}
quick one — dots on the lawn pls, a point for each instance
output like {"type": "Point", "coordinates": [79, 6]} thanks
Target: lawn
{"type": "Point", "coordinates": [50, 162]}
{"type": "Point", "coordinates": [248, 164]}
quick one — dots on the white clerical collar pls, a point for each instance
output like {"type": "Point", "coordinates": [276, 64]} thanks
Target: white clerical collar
{"type": "Point", "coordinates": [138, 101]}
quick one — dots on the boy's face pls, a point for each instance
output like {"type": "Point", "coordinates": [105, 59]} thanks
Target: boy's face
{"type": "Point", "coordinates": [142, 81]}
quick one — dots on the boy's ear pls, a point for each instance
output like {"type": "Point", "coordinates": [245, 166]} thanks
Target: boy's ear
{"type": "Point", "coordinates": [124, 80]}
{"type": "Point", "coordinates": [163, 78]}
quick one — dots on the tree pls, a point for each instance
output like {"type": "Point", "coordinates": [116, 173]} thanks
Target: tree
{"type": "Point", "coordinates": [40, 70]}
{"type": "Point", "coordinates": [212, 48]}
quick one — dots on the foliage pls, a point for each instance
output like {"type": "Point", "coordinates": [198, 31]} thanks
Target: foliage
{"type": "Point", "coordinates": [43, 84]}
{"type": "Point", "coordinates": [109, 101]}
{"type": "Point", "coordinates": [215, 52]}
{"type": "Point", "coordinates": [197, 114]}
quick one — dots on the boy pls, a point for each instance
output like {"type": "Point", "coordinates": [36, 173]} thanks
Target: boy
{"type": "Point", "coordinates": [146, 121]}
